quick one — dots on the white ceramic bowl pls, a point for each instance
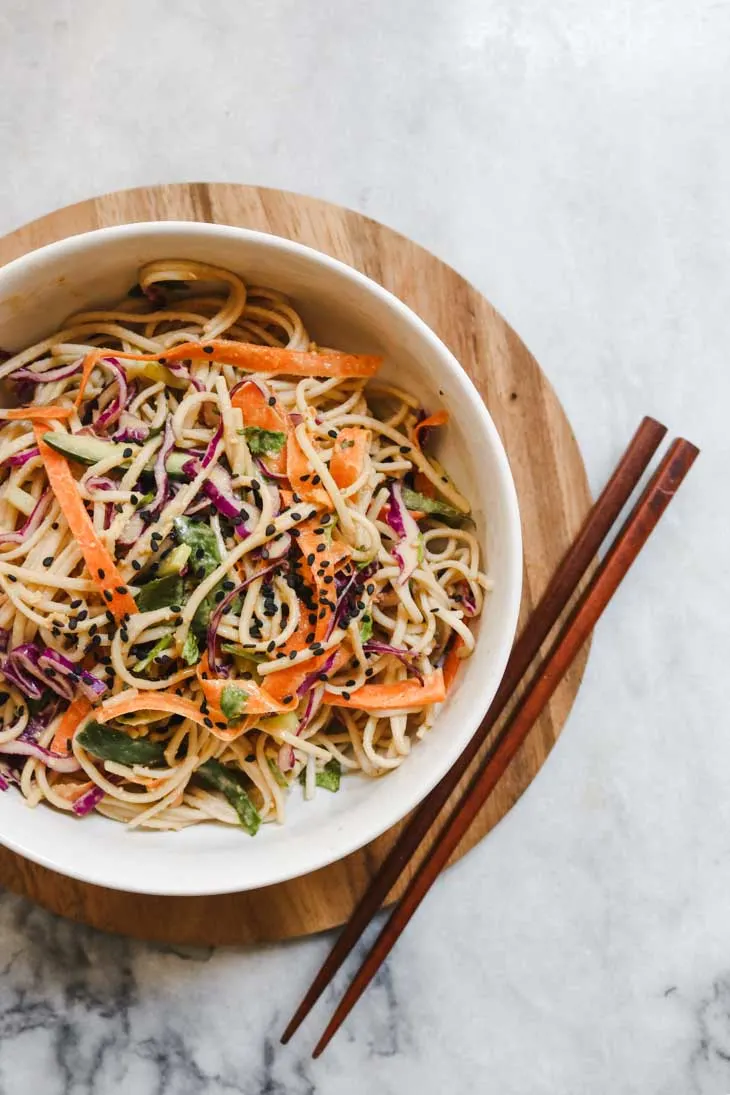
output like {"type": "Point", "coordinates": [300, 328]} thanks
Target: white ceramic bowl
{"type": "Point", "coordinates": [340, 308]}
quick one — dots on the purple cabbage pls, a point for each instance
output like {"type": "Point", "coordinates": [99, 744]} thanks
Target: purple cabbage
{"type": "Point", "coordinates": [31, 670]}
{"type": "Point", "coordinates": [21, 458]}
{"type": "Point", "coordinates": [162, 480]}
{"type": "Point", "coordinates": [131, 532]}
{"type": "Point", "coordinates": [278, 548]}
{"type": "Point", "coordinates": [62, 373]}
{"type": "Point", "coordinates": [87, 683]}
{"type": "Point", "coordinates": [112, 411]}
{"type": "Point", "coordinates": [31, 524]}
{"type": "Point", "coordinates": [314, 702]}
{"type": "Point", "coordinates": [19, 667]}
{"type": "Point", "coordinates": [407, 550]}
{"type": "Point", "coordinates": [88, 801]}
{"type": "Point", "coordinates": [313, 678]}
{"type": "Point", "coordinates": [407, 657]}
{"type": "Point", "coordinates": [219, 489]}
{"type": "Point", "coordinates": [467, 599]}
{"type": "Point", "coordinates": [266, 470]}
{"type": "Point", "coordinates": [56, 761]}
{"type": "Point", "coordinates": [217, 616]}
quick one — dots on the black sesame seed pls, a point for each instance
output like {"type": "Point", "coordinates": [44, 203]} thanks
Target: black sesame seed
{"type": "Point", "coordinates": [326, 519]}
{"type": "Point", "coordinates": [136, 565]}
{"type": "Point", "coordinates": [54, 526]}
{"type": "Point", "coordinates": [296, 515]}
{"type": "Point", "coordinates": [127, 453]}
{"type": "Point", "coordinates": [350, 683]}
{"type": "Point", "coordinates": [332, 433]}
{"type": "Point", "coordinates": [345, 695]}
{"type": "Point", "coordinates": [272, 400]}
{"type": "Point", "coordinates": [270, 530]}
{"type": "Point", "coordinates": [209, 723]}
{"type": "Point", "coordinates": [76, 604]}
{"type": "Point", "coordinates": [101, 574]}
{"type": "Point", "coordinates": [295, 533]}
{"type": "Point", "coordinates": [219, 596]}
{"type": "Point", "coordinates": [175, 608]}
{"type": "Point", "coordinates": [310, 558]}
{"type": "Point", "coordinates": [48, 561]}
{"type": "Point", "coordinates": [73, 623]}
{"type": "Point", "coordinates": [405, 449]}
{"type": "Point", "coordinates": [255, 485]}
{"type": "Point", "coordinates": [221, 725]}
{"type": "Point", "coordinates": [287, 699]}
{"type": "Point", "coordinates": [121, 590]}
{"type": "Point", "coordinates": [321, 547]}
{"type": "Point", "coordinates": [295, 498]}
{"type": "Point", "coordinates": [133, 499]}
{"type": "Point", "coordinates": [369, 671]}
{"type": "Point", "coordinates": [108, 595]}
{"type": "Point", "coordinates": [328, 578]}
{"type": "Point", "coordinates": [316, 480]}
{"type": "Point", "coordinates": [271, 646]}
{"type": "Point", "coordinates": [207, 349]}
{"type": "Point", "coordinates": [292, 655]}
{"type": "Point", "coordinates": [370, 588]}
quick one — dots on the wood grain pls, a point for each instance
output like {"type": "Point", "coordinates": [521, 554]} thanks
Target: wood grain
{"type": "Point", "coordinates": [551, 484]}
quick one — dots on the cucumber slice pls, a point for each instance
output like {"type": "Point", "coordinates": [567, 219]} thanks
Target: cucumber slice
{"type": "Point", "coordinates": [84, 449]}
{"type": "Point", "coordinates": [175, 561]}
{"type": "Point", "coordinates": [89, 450]}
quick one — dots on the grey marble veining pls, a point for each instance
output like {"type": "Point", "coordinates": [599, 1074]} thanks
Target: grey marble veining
{"type": "Point", "coordinates": [572, 160]}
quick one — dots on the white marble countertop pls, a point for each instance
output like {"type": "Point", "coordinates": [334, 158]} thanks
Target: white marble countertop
{"type": "Point", "coordinates": [572, 160]}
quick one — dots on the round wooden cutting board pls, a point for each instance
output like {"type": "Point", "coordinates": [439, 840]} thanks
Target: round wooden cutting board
{"type": "Point", "coordinates": [551, 484]}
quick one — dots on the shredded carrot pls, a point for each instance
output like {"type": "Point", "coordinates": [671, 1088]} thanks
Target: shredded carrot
{"type": "Point", "coordinates": [273, 359]}
{"type": "Point", "coordinates": [257, 411]}
{"type": "Point", "coordinates": [72, 717]}
{"type": "Point", "coordinates": [286, 681]}
{"type": "Point", "coordinates": [133, 700]}
{"type": "Point", "coordinates": [258, 701]}
{"type": "Point", "coordinates": [349, 455]}
{"type": "Point", "coordinates": [421, 482]}
{"type": "Point", "coordinates": [70, 792]}
{"type": "Point", "coordinates": [452, 661]}
{"type": "Point", "coordinates": [300, 475]}
{"type": "Point", "coordinates": [386, 697]}
{"type": "Point", "coordinates": [102, 568]}
{"type": "Point", "coordinates": [38, 414]}
{"type": "Point", "coordinates": [440, 418]}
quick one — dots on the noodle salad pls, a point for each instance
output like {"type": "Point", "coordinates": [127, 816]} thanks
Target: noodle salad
{"type": "Point", "coordinates": [227, 563]}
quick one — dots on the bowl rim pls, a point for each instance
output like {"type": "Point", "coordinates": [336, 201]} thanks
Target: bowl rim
{"type": "Point", "coordinates": [335, 849]}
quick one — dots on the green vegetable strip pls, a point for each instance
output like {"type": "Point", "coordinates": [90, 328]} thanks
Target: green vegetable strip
{"type": "Point", "coordinates": [414, 500]}
{"type": "Point", "coordinates": [109, 744]}
{"type": "Point", "coordinates": [219, 778]}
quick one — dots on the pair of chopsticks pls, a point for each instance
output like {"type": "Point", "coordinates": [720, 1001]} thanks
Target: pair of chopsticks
{"type": "Point", "coordinates": [581, 620]}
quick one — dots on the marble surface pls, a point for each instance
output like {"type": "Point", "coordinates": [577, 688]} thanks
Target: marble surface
{"type": "Point", "coordinates": [572, 160]}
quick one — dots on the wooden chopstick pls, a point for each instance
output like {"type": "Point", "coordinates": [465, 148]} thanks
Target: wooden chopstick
{"type": "Point", "coordinates": [581, 621]}
{"type": "Point", "coordinates": [561, 587]}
